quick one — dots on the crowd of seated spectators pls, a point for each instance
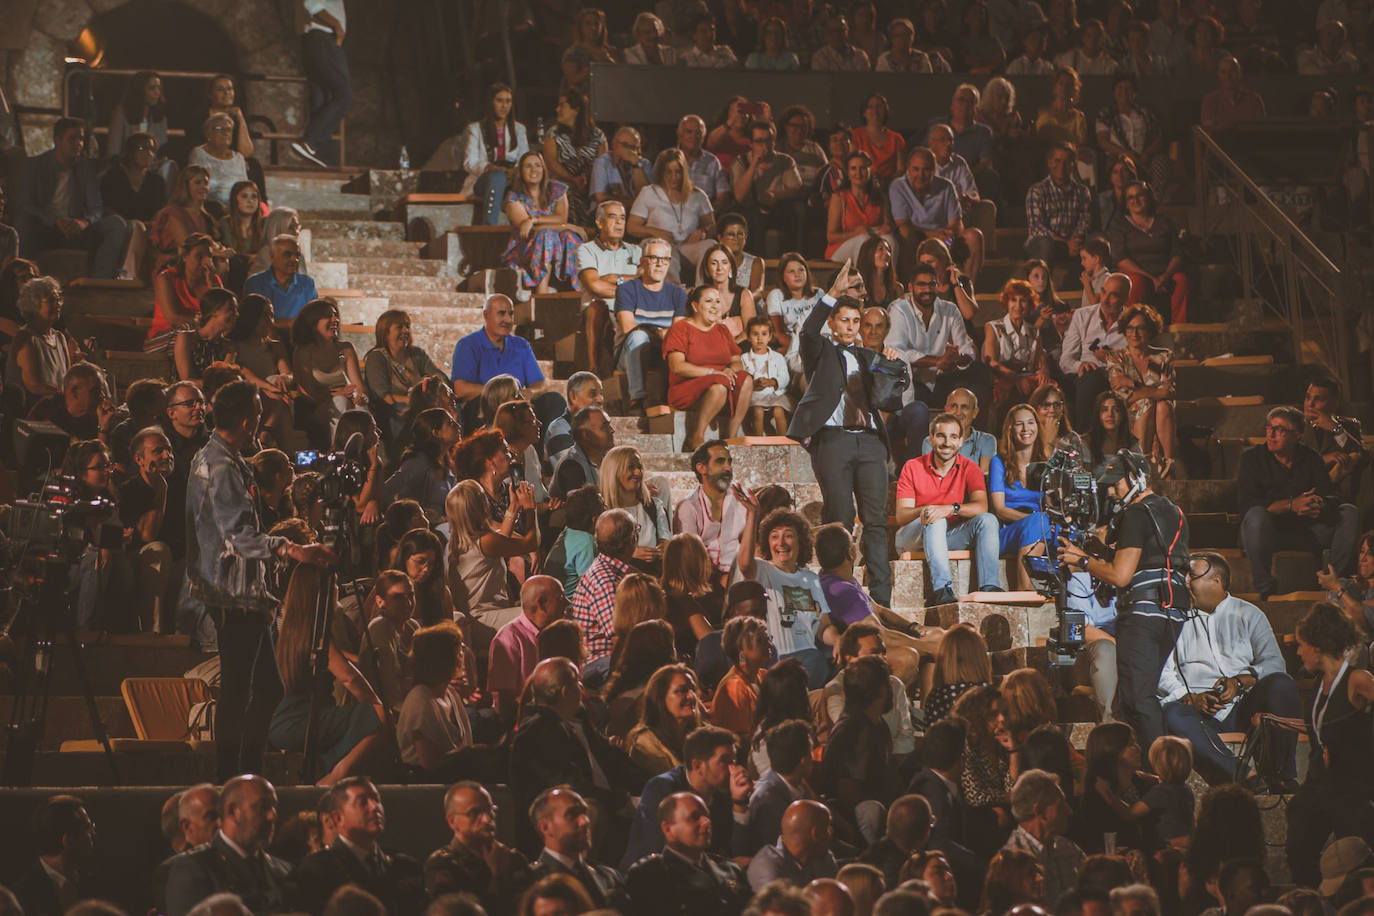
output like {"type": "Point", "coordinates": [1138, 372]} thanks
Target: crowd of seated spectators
{"type": "Point", "coordinates": [698, 702]}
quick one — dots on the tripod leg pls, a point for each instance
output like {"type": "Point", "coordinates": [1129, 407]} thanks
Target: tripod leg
{"type": "Point", "coordinates": [97, 724]}
{"type": "Point", "coordinates": [319, 670]}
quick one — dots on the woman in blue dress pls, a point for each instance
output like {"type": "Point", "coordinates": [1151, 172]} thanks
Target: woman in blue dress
{"type": "Point", "coordinates": [1024, 527]}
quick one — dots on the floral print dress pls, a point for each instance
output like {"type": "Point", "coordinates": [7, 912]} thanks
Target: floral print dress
{"type": "Point", "coordinates": [546, 251]}
{"type": "Point", "coordinates": [1126, 376]}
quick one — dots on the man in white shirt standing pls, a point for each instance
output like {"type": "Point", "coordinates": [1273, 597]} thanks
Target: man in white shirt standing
{"type": "Point", "coordinates": [1091, 334]}
{"type": "Point", "coordinates": [1225, 668]}
{"type": "Point", "coordinates": [326, 68]}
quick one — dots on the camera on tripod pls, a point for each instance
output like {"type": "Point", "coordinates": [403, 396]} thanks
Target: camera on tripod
{"type": "Point", "coordinates": [341, 473]}
{"type": "Point", "coordinates": [1074, 508]}
{"type": "Point", "coordinates": [58, 524]}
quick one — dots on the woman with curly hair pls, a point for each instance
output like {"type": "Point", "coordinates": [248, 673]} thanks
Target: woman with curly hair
{"type": "Point", "coordinates": [1011, 346]}
{"type": "Point", "coordinates": [987, 777]}
{"type": "Point", "coordinates": [1142, 375]}
{"type": "Point", "coordinates": [671, 710]}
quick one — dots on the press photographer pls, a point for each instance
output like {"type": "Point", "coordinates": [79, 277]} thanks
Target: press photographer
{"type": "Point", "coordinates": [227, 564]}
{"type": "Point", "coordinates": [1149, 567]}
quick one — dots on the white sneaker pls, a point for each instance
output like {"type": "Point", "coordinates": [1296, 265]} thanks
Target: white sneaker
{"type": "Point", "coordinates": [306, 151]}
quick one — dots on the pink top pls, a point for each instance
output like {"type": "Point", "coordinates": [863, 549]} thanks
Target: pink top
{"type": "Point", "coordinates": [514, 653]}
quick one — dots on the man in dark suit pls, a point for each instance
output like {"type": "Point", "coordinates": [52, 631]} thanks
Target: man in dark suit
{"type": "Point", "coordinates": [64, 838]}
{"type": "Point", "coordinates": [845, 435]}
{"type": "Point", "coordinates": [59, 204]}
{"type": "Point", "coordinates": [236, 860]}
{"type": "Point", "coordinates": [555, 744]}
{"type": "Point", "coordinates": [938, 784]}
{"type": "Point", "coordinates": [356, 856]}
{"type": "Point", "coordinates": [560, 816]}
{"type": "Point", "coordinates": [684, 879]}
{"type": "Point", "coordinates": [908, 832]}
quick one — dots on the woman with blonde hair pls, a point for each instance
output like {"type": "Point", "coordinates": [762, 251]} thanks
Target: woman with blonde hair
{"type": "Point", "coordinates": [638, 598]}
{"type": "Point", "coordinates": [623, 487]}
{"type": "Point", "coordinates": [692, 590]}
{"type": "Point", "coordinates": [183, 216]}
{"type": "Point", "coordinates": [671, 710]}
{"type": "Point", "coordinates": [344, 734]}
{"type": "Point", "coordinates": [961, 663]}
{"type": "Point", "coordinates": [477, 552]}
{"type": "Point", "coordinates": [676, 210]}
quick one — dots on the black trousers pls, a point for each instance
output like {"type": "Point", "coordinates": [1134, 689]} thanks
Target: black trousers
{"type": "Point", "coordinates": [249, 689]}
{"type": "Point", "coordinates": [850, 467]}
{"type": "Point", "coordinates": [1145, 635]}
{"type": "Point", "coordinates": [1318, 811]}
{"type": "Point", "coordinates": [1086, 388]}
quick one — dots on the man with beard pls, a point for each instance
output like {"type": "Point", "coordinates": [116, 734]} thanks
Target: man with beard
{"type": "Point", "coordinates": [711, 511]}
{"type": "Point", "coordinates": [143, 509]}
{"type": "Point", "coordinates": [236, 859]}
{"type": "Point", "coordinates": [356, 856]}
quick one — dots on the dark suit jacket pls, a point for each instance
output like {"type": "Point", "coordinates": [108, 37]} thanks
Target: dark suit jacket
{"type": "Point", "coordinates": [823, 362]}
{"type": "Point", "coordinates": [40, 182]}
{"type": "Point", "coordinates": [728, 839]}
{"type": "Point", "coordinates": [601, 882]}
{"type": "Point", "coordinates": [400, 885]}
{"type": "Point", "coordinates": [949, 835]}
{"type": "Point", "coordinates": [668, 884]}
{"type": "Point", "coordinates": [215, 867]}
{"type": "Point", "coordinates": [36, 892]}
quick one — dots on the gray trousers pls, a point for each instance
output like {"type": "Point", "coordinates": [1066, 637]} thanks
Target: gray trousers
{"type": "Point", "coordinates": [850, 467]}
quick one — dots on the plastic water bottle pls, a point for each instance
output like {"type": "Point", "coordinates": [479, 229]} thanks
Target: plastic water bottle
{"type": "Point", "coordinates": [405, 158]}
{"type": "Point", "coordinates": [539, 129]}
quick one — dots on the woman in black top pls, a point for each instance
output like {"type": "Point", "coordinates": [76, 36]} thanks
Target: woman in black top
{"type": "Point", "coordinates": [129, 187]}
{"type": "Point", "coordinates": [1335, 800]}
{"type": "Point", "coordinates": [694, 598]}
{"type": "Point", "coordinates": [1112, 784]}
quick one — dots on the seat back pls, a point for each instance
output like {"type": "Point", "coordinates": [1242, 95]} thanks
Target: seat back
{"type": "Point", "coordinates": [161, 706]}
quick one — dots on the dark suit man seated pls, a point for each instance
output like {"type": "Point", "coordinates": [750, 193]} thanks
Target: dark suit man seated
{"type": "Point", "coordinates": [685, 879]}
{"type": "Point", "coordinates": [59, 204]}
{"type": "Point", "coordinates": [789, 747]}
{"type": "Point", "coordinates": [236, 860]}
{"type": "Point", "coordinates": [845, 435]}
{"type": "Point", "coordinates": [908, 832]}
{"type": "Point", "coordinates": [63, 836]}
{"type": "Point", "coordinates": [474, 861]}
{"type": "Point", "coordinates": [561, 818]}
{"type": "Point", "coordinates": [709, 770]}
{"type": "Point", "coordinates": [938, 784]}
{"type": "Point", "coordinates": [356, 855]}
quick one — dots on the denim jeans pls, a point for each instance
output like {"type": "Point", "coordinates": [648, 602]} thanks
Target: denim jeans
{"type": "Point", "coordinates": [978, 534]}
{"type": "Point", "coordinates": [331, 88]}
{"type": "Point", "coordinates": [634, 354]}
{"type": "Point", "coordinates": [490, 189]}
{"type": "Point", "coordinates": [1261, 533]}
{"type": "Point", "coordinates": [1276, 693]}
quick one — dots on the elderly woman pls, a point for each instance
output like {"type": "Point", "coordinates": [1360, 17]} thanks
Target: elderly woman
{"type": "Point", "coordinates": [392, 368]}
{"type": "Point", "coordinates": [882, 144]}
{"type": "Point", "coordinates": [40, 354]}
{"type": "Point", "coordinates": [543, 246]}
{"type": "Point", "coordinates": [622, 483]}
{"type": "Point", "coordinates": [177, 290]}
{"type": "Point", "coordinates": [857, 212]}
{"type": "Point", "coordinates": [1143, 376]}
{"type": "Point", "coordinates": [195, 349]}
{"type": "Point", "coordinates": [674, 209]}
{"type": "Point", "coordinates": [571, 147]}
{"type": "Point", "coordinates": [1147, 249]}
{"type": "Point", "coordinates": [325, 367]}
{"type": "Point", "coordinates": [515, 419]}
{"type": "Point", "coordinates": [1011, 346]}
{"type": "Point", "coordinates": [705, 368]}
{"type": "Point", "coordinates": [217, 156]}
{"type": "Point", "coordinates": [185, 215]}
{"type": "Point", "coordinates": [649, 47]}
{"type": "Point", "coordinates": [478, 551]}
{"type": "Point", "coordinates": [901, 55]}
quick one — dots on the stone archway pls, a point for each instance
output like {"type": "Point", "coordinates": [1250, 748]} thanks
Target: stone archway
{"type": "Point", "coordinates": [261, 32]}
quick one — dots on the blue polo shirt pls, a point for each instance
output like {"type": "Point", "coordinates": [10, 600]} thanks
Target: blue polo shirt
{"type": "Point", "coordinates": [936, 210]}
{"type": "Point", "coordinates": [476, 359]}
{"type": "Point", "coordinates": [287, 301]}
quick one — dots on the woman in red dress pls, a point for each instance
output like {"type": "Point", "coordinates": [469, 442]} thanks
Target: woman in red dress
{"type": "Point", "coordinates": [705, 370]}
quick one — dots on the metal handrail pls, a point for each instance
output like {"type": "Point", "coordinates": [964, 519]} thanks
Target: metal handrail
{"type": "Point", "coordinates": [203, 76]}
{"type": "Point", "coordinates": [1270, 246]}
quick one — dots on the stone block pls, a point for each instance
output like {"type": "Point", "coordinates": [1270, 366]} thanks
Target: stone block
{"type": "Point", "coordinates": [329, 274]}
{"type": "Point", "coordinates": [62, 20]}
{"type": "Point", "coordinates": [430, 221]}
{"type": "Point", "coordinates": [1026, 624]}
{"type": "Point", "coordinates": [35, 76]}
{"type": "Point", "coordinates": [911, 586]}
{"type": "Point", "coordinates": [386, 187]}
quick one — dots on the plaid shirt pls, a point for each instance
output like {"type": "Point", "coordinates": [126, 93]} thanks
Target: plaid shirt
{"type": "Point", "coordinates": [593, 604]}
{"type": "Point", "coordinates": [1062, 860]}
{"type": "Point", "coordinates": [1060, 211]}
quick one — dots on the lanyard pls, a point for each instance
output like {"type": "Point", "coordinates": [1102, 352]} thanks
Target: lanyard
{"type": "Point", "coordinates": [1318, 717]}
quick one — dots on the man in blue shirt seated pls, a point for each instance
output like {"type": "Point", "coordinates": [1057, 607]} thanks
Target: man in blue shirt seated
{"type": "Point", "coordinates": [645, 307]}
{"type": "Point", "coordinates": [495, 349]}
{"type": "Point", "coordinates": [283, 284]}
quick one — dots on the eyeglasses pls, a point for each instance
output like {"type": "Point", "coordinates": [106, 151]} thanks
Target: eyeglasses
{"type": "Point", "coordinates": [189, 402]}
{"type": "Point", "coordinates": [1279, 429]}
{"type": "Point", "coordinates": [1138, 328]}
{"type": "Point", "coordinates": [656, 258]}
{"type": "Point", "coordinates": [480, 811]}
{"type": "Point", "coordinates": [1052, 405]}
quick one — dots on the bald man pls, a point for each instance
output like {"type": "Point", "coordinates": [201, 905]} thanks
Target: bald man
{"type": "Point", "coordinates": [621, 172]}
{"type": "Point", "coordinates": [492, 350]}
{"type": "Point", "coordinates": [908, 831]}
{"type": "Point", "coordinates": [685, 879]}
{"type": "Point", "coordinates": [514, 649]}
{"type": "Point", "coordinates": [802, 852]}
{"type": "Point", "coordinates": [829, 897]}
{"type": "Point", "coordinates": [236, 858]}
{"type": "Point", "coordinates": [556, 745]}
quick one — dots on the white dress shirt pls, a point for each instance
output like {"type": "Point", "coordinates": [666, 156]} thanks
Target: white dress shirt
{"type": "Point", "coordinates": [1233, 639]}
{"type": "Point", "coordinates": [913, 339]}
{"type": "Point", "coordinates": [1085, 329]}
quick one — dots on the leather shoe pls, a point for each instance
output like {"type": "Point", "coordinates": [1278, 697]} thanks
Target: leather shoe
{"type": "Point", "coordinates": [945, 596]}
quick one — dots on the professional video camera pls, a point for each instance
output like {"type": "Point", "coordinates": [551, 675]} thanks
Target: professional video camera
{"type": "Point", "coordinates": [1071, 502]}
{"type": "Point", "coordinates": [341, 473]}
{"type": "Point", "coordinates": [56, 525]}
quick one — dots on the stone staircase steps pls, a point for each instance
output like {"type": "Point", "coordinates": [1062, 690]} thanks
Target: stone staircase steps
{"type": "Point", "coordinates": [422, 308]}
{"type": "Point", "coordinates": [383, 284]}
{"type": "Point", "coordinates": [346, 249]}
{"type": "Point", "coordinates": [330, 228]}
{"type": "Point", "coordinates": [307, 191]}
{"type": "Point", "coordinates": [411, 266]}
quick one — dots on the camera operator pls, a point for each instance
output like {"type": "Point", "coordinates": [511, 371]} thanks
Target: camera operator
{"type": "Point", "coordinates": [1150, 570]}
{"type": "Point", "coordinates": [227, 564]}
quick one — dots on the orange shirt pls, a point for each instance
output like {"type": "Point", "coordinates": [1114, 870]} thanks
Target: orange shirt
{"type": "Point", "coordinates": [733, 705]}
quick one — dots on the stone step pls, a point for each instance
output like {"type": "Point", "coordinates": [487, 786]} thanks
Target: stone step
{"type": "Point", "coordinates": [911, 586]}
{"type": "Point", "coordinates": [1268, 381]}
{"type": "Point", "coordinates": [396, 267]}
{"type": "Point", "coordinates": [68, 719]}
{"type": "Point", "coordinates": [1296, 570]}
{"type": "Point", "coordinates": [1226, 415]}
{"type": "Point", "coordinates": [341, 249]}
{"type": "Point", "coordinates": [328, 228]}
{"type": "Point", "coordinates": [312, 214]}
{"type": "Point", "coordinates": [385, 284]}
{"type": "Point", "coordinates": [320, 197]}
{"type": "Point", "coordinates": [422, 308]}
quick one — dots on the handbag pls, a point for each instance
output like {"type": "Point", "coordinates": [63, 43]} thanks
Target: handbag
{"type": "Point", "coordinates": [891, 379]}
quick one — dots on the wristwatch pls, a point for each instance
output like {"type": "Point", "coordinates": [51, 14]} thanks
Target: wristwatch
{"type": "Point", "coordinates": [1083, 563]}
{"type": "Point", "coordinates": [957, 507]}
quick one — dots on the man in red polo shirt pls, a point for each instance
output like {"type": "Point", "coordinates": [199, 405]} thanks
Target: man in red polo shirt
{"type": "Point", "coordinates": [942, 505]}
